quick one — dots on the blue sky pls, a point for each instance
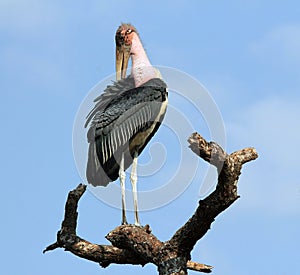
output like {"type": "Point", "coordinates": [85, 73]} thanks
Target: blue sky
{"type": "Point", "coordinates": [247, 55]}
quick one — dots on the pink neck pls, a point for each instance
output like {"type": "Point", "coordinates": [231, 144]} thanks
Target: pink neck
{"type": "Point", "coordinates": [142, 71]}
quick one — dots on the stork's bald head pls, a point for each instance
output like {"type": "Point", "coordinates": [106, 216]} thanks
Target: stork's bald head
{"type": "Point", "coordinates": [124, 36]}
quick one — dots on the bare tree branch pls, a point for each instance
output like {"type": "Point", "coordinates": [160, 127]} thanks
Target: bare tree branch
{"type": "Point", "coordinates": [105, 254]}
{"type": "Point", "coordinates": [137, 245]}
{"type": "Point", "coordinates": [229, 167]}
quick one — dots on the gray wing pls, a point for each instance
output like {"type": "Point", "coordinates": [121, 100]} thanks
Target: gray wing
{"type": "Point", "coordinates": [114, 127]}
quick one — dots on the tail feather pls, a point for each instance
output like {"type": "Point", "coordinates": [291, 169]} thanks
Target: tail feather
{"type": "Point", "coordinates": [94, 171]}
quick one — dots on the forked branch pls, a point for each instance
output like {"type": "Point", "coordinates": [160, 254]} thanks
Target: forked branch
{"type": "Point", "coordinates": [137, 245]}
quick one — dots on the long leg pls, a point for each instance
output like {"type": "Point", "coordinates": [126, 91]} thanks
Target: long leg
{"type": "Point", "coordinates": [133, 179]}
{"type": "Point", "coordinates": [122, 182]}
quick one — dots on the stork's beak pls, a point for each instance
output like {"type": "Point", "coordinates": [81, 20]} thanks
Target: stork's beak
{"type": "Point", "coordinates": [122, 58]}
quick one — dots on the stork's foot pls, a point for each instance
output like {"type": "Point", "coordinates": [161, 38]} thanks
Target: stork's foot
{"type": "Point", "coordinates": [124, 219]}
{"type": "Point", "coordinates": [137, 223]}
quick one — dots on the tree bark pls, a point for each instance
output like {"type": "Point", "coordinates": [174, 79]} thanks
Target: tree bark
{"type": "Point", "coordinates": [137, 245]}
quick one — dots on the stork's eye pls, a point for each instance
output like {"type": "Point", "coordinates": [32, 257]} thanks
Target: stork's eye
{"type": "Point", "coordinates": [128, 31]}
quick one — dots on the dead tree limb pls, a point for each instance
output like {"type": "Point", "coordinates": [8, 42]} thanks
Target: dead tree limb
{"type": "Point", "coordinates": [229, 168]}
{"type": "Point", "coordinates": [137, 245]}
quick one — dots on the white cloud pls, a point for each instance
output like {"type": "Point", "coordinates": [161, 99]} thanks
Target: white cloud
{"type": "Point", "coordinates": [281, 44]}
{"type": "Point", "coordinates": [271, 183]}
{"type": "Point", "coordinates": [29, 18]}
{"type": "Point", "coordinates": [35, 41]}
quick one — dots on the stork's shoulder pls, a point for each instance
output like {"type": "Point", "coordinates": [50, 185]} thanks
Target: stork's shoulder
{"type": "Point", "coordinates": [111, 93]}
{"type": "Point", "coordinates": [116, 89]}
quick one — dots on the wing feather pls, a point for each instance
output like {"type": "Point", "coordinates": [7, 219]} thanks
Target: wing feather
{"type": "Point", "coordinates": [117, 117]}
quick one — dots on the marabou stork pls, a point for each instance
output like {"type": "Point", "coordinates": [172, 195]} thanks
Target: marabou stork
{"type": "Point", "coordinates": [125, 117]}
